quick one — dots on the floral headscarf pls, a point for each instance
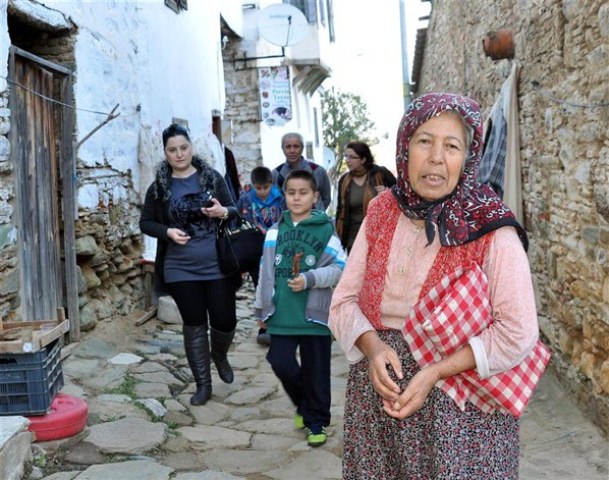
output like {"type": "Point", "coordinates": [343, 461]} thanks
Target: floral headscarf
{"type": "Point", "coordinates": [472, 209]}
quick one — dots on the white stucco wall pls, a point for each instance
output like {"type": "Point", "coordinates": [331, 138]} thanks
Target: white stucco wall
{"type": "Point", "coordinates": [4, 41]}
{"type": "Point", "coordinates": [158, 65]}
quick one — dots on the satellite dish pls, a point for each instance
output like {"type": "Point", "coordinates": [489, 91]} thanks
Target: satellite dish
{"type": "Point", "coordinates": [282, 24]}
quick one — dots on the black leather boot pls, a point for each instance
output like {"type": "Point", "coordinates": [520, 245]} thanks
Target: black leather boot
{"type": "Point", "coordinates": [196, 345]}
{"type": "Point", "coordinates": [220, 343]}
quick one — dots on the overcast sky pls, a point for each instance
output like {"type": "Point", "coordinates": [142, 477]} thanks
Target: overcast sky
{"type": "Point", "coordinates": [368, 60]}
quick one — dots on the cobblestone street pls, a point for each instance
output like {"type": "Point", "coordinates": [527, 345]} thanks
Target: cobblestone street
{"type": "Point", "coordinates": [246, 431]}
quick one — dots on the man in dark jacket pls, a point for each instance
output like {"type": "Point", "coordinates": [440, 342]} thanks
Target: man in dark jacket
{"type": "Point", "coordinates": [292, 145]}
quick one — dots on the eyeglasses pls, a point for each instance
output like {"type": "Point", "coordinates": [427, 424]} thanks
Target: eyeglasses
{"type": "Point", "coordinates": [351, 157]}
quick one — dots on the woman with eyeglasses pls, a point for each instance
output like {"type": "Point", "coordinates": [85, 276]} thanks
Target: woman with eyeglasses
{"type": "Point", "coordinates": [364, 181]}
{"type": "Point", "coordinates": [182, 209]}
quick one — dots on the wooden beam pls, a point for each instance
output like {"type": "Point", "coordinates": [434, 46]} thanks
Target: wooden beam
{"type": "Point", "coordinates": [148, 314]}
{"type": "Point", "coordinates": [69, 211]}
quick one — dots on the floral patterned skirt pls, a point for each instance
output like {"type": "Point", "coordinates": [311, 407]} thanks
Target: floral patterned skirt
{"type": "Point", "coordinates": [438, 442]}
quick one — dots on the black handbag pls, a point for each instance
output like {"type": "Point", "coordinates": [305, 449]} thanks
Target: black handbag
{"type": "Point", "coordinates": [239, 246]}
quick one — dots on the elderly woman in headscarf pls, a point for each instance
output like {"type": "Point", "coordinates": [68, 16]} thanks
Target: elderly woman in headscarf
{"type": "Point", "coordinates": [436, 313]}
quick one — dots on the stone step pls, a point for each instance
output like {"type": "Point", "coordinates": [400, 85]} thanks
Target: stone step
{"type": "Point", "coordinates": [15, 447]}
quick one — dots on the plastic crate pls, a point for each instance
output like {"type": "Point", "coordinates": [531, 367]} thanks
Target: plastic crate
{"type": "Point", "coordinates": [30, 381]}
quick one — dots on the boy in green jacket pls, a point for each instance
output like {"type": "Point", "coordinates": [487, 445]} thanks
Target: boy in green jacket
{"type": "Point", "coordinates": [302, 261]}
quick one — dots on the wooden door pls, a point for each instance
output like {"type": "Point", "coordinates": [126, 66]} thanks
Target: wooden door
{"type": "Point", "coordinates": [38, 151]}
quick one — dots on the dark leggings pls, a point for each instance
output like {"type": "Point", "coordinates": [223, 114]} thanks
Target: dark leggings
{"type": "Point", "coordinates": [199, 299]}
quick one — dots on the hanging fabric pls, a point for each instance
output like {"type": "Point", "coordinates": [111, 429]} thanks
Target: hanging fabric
{"type": "Point", "coordinates": [500, 164]}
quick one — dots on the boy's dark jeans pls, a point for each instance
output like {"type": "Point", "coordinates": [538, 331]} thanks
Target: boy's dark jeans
{"type": "Point", "coordinates": [308, 383]}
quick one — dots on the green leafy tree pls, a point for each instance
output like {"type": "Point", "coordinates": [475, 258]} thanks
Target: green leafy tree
{"type": "Point", "coordinates": [345, 118]}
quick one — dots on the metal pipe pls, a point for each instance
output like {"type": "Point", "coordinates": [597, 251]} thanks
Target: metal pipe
{"type": "Point", "coordinates": [405, 75]}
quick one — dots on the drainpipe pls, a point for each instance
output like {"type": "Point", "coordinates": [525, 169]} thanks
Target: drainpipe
{"type": "Point", "coordinates": [405, 75]}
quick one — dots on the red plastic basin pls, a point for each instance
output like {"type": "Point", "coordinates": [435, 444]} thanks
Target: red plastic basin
{"type": "Point", "coordinates": [67, 417]}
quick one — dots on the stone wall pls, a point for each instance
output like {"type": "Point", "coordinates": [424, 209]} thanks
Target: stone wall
{"type": "Point", "coordinates": [108, 248]}
{"type": "Point", "coordinates": [242, 112]}
{"type": "Point", "coordinates": [9, 273]}
{"type": "Point", "coordinates": [563, 49]}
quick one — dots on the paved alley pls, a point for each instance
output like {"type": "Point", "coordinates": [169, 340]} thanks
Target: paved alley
{"type": "Point", "coordinates": [136, 383]}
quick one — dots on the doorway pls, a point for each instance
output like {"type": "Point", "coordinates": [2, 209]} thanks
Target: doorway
{"type": "Point", "coordinates": [42, 156]}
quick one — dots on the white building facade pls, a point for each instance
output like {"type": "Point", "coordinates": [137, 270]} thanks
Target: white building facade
{"type": "Point", "coordinates": [112, 75]}
{"type": "Point", "coordinates": [272, 88]}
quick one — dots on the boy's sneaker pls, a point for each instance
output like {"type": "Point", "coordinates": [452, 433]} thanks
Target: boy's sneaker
{"type": "Point", "coordinates": [316, 436]}
{"type": "Point", "coordinates": [299, 421]}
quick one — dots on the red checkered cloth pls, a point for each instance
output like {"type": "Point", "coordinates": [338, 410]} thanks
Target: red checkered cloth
{"type": "Point", "coordinates": [456, 309]}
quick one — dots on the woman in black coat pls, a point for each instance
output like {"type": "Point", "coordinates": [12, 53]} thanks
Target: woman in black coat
{"type": "Point", "coordinates": [182, 209]}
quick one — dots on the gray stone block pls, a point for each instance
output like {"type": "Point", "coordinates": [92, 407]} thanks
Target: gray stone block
{"type": "Point", "coordinates": [168, 310]}
{"type": "Point", "coordinates": [15, 447]}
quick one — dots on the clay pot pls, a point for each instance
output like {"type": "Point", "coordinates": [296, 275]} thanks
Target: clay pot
{"type": "Point", "coordinates": [499, 44]}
